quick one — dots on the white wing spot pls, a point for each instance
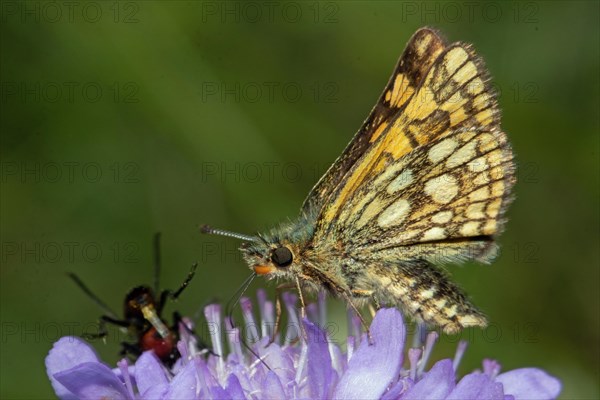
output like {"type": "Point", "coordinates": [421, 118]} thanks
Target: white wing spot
{"type": "Point", "coordinates": [493, 208]}
{"type": "Point", "coordinates": [480, 194]}
{"type": "Point", "coordinates": [497, 189]}
{"type": "Point", "coordinates": [462, 155]}
{"type": "Point", "coordinates": [490, 227]}
{"type": "Point", "coordinates": [435, 233]}
{"type": "Point", "coordinates": [475, 211]}
{"type": "Point", "coordinates": [369, 212]}
{"type": "Point", "coordinates": [487, 143]}
{"type": "Point", "coordinates": [442, 217]}
{"type": "Point", "coordinates": [496, 173]}
{"type": "Point", "coordinates": [441, 303]}
{"type": "Point", "coordinates": [451, 311]}
{"type": "Point", "coordinates": [477, 165]}
{"type": "Point", "coordinates": [414, 306]}
{"type": "Point", "coordinates": [481, 179]}
{"type": "Point", "coordinates": [442, 189]}
{"type": "Point", "coordinates": [476, 86]}
{"type": "Point", "coordinates": [405, 236]}
{"type": "Point", "coordinates": [401, 181]}
{"type": "Point", "coordinates": [398, 290]}
{"type": "Point", "coordinates": [471, 228]}
{"type": "Point", "coordinates": [356, 209]}
{"type": "Point", "coordinates": [428, 294]}
{"type": "Point", "coordinates": [468, 71]}
{"type": "Point", "coordinates": [428, 314]}
{"type": "Point", "coordinates": [471, 320]}
{"type": "Point", "coordinates": [422, 44]}
{"type": "Point", "coordinates": [455, 58]}
{"type": "Point", "coordinates": [394, 214]}
{"type": "Point", "coordinates": [384, 280]}
{"type": "Point", "coordinates": [442, 150]}
{"type": "Point", "coordinates": [388, 173]}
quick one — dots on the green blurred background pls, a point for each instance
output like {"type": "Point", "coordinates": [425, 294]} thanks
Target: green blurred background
{"type": "Point", "coordinates": [121, 119]}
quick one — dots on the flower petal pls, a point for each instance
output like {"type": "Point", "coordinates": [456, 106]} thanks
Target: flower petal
{"type": "Point", "coordinates": [530, 383]}
{"type": "Point", "coordinates": [271, 388]}
{"type": "Point", "coordinates": [397, 389]}
{"type": "Point", "coordinates": [338, 359]}
{"type": "Point", "coordinates": [436, 384]}
{"type": "Point", "coordinates": [234, 388]}
{"type": "Point", "coordinates": [184, 385]}
{"type": "Point", "coordinates": [150, 377]}
{"type": "Point", "coordinates": [218, 393]}
{"type": "Point", "coordinates": [493, 391]}
{"type": "Point", "coordinates": [320, 371]}
{"type": "Point", "coordinates": [373, 367]}
{"type": "Point", "coordinates": [210, 387]}
{"type": "Point", "coordinates": [67, 353]}
{"type": "Point", "coordinates": [476, 386]}
{"type": "Point", "coordinates": [280, 360]}
{"type": "Point", "coordinates": [92, 380]}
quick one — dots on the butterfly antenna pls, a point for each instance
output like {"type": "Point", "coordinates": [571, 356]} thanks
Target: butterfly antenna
{"type": "Point", "coordinates": [210, 231]}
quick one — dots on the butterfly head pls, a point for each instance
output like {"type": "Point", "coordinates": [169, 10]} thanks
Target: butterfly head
{"type": "Point", "coordinates": [270, 259]}
{"type": "Point", "coordinates": [266, 256]}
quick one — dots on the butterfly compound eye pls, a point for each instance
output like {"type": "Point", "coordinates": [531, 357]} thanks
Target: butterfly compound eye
{"type": "Point", "coordinates": [282, 256]}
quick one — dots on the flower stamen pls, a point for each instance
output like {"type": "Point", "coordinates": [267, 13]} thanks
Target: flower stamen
{"type": "Point", "coordinates": [432, 338]}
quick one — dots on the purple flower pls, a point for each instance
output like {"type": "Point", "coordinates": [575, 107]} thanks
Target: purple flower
{"type": "Point", "coordinates": [304, 364]}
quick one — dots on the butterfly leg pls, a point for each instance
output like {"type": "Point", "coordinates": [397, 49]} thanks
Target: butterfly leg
{"type": "Point", "coordinates": [302, 304]}
{"type": "Point", "coordinates": [298, 287]}
{"type": "Point", "coordinates": [350, 301]}
{"type": "Point", "coordinates": [278, 290]}
{"type": "Point", "coordinates": [302, 309]}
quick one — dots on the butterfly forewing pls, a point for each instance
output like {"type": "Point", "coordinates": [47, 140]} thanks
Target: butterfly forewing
{"type": "Point", "coordinates": [441, 169]}
{"type": "Point", "coordinates": [452, 190]}
{"type": "Point", "coordinates": [417, 58]}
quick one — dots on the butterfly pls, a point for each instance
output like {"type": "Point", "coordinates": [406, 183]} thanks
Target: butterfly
{"type": "Point", "coordinates": [425, 182]}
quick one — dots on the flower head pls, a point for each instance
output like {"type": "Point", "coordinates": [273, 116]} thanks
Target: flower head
{"type": "Point", "coordinates": [303, 364]}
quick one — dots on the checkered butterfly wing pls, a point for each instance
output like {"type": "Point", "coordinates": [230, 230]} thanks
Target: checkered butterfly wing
{"type": "Point", "coordinates": [426, 181]}
{"type": "Point", "coordinates": [437, 171]}
{"type": "Point", "coordinates": [418, 56]}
